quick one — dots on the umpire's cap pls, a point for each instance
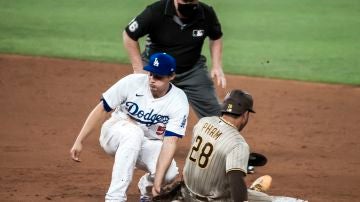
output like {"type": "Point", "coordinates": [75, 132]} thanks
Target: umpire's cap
{"type": "Point", "coordinates": [161, 64]}
{"type": "Point", "coordinates": [237, 102]}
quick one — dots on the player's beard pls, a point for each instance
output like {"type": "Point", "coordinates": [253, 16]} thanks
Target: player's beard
{"type": "Point", "coordinates": [244, 122]}
{"type": "Point", "coordinates": [241, 127]}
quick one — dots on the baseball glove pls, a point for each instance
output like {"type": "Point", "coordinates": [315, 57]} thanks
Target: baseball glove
{"type": "Point", "coordinates": [170, 193]}
{"type": "Point", "coordinates": [262, 183]}
{"type": "Point", "coordinates": [256, 159]}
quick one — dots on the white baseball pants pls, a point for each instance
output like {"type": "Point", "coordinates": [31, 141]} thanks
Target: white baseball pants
{"type": "Point", "coordinates": [125, 141]}
{"type": "Point", "coordinates": [256, 196]}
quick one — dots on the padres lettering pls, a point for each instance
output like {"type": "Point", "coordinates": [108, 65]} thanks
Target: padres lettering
{"type": "Point", "coordinates": [149, 118]}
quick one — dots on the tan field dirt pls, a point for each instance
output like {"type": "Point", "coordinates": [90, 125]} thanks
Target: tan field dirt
{"type": "Point", "coordinates": [310, 133]}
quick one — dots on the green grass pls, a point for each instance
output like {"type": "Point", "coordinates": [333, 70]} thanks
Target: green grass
{"type": "Point", "coordinates": [304, 40]}
{"type": "Point", "coordinates": [70, 29]}
{"type": "Point", "coordinates": [289, 39]}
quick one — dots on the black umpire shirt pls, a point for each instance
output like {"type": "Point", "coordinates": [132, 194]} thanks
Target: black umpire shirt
{"type": "Point", "coordinates": [167, 33]}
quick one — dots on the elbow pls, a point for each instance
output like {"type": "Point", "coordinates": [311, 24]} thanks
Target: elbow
{"type": "Point", "coordinates": [127, 38]}
{"type": "Point", "coordinates": [125, 35]}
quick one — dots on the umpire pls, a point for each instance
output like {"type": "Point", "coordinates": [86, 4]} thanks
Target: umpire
{"type": "Point", "coordinates": [179, 27]}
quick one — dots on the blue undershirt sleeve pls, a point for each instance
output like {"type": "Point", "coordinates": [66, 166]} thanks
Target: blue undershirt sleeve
{"type": "Point", "coordinates": [169, 133]}
{"type": "Point", "coordinates": [105, 105]}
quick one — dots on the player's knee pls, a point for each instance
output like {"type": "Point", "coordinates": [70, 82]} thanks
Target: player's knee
{"type": "Point", "coordinates": [131, 136]}
{"type": "Point", "coordinates": [108, 141]}
{"type": "Point", "coordinates": [125, 133]}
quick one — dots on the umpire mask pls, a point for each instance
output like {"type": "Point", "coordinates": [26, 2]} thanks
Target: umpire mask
{"type": "Point", "coordinates": [188, 10]}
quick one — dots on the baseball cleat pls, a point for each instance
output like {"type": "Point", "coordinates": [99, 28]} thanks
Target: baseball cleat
{"type": "Point", "coordinates": [250, 170]}
{"type": "Point", "coordinates": [287, 199]}
{"type": "Point", "coordinates": [262, 183]}
{"type": "Point", "coordinates": [145, 199]}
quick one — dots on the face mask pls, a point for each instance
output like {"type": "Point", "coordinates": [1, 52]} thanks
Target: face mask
{"type": "Point", "coordinates": [188, 10]}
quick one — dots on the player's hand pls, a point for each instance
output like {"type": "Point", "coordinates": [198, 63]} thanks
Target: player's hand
{"type": "Point", "coordinates": [139, 70]}
{"type": "Point", "coordinates": [218, 74]}
{"type": "Point", "coordinates": [75, 151]}
{"type": "Point", "coordinates": [156, 190]}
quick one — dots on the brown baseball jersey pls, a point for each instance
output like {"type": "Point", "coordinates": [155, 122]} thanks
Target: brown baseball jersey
{"type": "Point", "coordinates": [217, 148]}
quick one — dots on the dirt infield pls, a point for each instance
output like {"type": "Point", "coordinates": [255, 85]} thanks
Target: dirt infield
{"type": "Point", "coordinates": [310, 133]}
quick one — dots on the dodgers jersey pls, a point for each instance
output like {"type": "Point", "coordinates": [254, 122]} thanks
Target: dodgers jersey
{"type": "Point", "coordinates": [131, 97]}
{"type": "Point", "coordinates": [217, 148]}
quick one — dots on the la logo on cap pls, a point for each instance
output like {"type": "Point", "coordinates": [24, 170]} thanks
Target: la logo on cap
{"type": "Point", "coordinates": [156, 62]}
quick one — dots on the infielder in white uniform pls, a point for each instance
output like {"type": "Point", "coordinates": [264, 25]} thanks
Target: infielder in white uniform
{"type": "Point", "coordinates": [149, 115]}
{"type": "Point", "coordinates": [217, 162]}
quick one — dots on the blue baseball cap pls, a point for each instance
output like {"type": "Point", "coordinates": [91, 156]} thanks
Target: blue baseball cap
{"type": "Point", "coordinates": [161, 64]}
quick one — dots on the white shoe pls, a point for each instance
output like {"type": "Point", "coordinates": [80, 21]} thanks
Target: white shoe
{"type": "Point", "coordinates": [286, 199]}
{"type": "Point", "coordinates": [145, 199]}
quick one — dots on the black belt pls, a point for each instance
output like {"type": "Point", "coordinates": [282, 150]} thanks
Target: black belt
{"type": "Point", "coordinates": [200, 198]}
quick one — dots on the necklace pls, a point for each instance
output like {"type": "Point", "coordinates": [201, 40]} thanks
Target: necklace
{"type": "Point", "coordinates": [230, 124]}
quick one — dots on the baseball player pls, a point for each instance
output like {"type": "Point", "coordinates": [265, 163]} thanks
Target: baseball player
{"type": "Point", "coordinates": [149, 115]}
{"type": "Point", "coordinates": [218, 158]}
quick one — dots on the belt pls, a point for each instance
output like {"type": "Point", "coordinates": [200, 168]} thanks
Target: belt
{"type": "Point", "coordinates": [197, 197]}
{"type": "Point", "coordinates": [204, 198]}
